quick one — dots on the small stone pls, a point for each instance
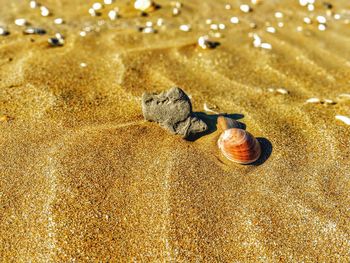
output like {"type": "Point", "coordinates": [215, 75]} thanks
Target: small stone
{"type": "Point", "coordinates": [4, 32]}
{"type": "Point", "coordinates": [172, 109]}
{"type": "Point", "coordinates": [21, 22]}
{"type": "Point", "coordinates": [58, 21]}
{"type": "Point", "coordinates": [34, 31]}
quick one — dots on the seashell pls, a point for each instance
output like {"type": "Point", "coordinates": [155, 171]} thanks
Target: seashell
{"type": "Point", "coordinates": [236, 144]}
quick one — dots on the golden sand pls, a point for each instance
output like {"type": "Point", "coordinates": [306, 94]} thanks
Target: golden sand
{"type": "Point", "coordinates": [83, 178]}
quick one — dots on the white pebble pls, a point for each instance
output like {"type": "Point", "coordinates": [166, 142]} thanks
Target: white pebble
{"type": "Point", "coordinates": [245, 8]}
{"type": "Point", "coordinates": [82, 33]}
{"type": "Point", "coordinates": [344, 95]}
{"type": "Point", "coordinates": [113, 14]}
{"type": "Point", "coordinates": [271, 29]}
{"type": "Point", "coordinates": [344, 119]}
{"type": "Point", "coordinates": [92, 12]}
{"type": "Point", "coordinates": [313, 100]}
{"type": "Point", "coordinates": [307, 20]}
{"type": "Point", "coordinates": [222, 26]}
{"type": "Point", "coordinates": [3, 31]}
{"type": "Point", "coordinates": [280, 24]}
{"type": "Point", "coordinates": [337, 16]}
{"type": "Point", "coordinates": [149, 30]}
{"type": "Point", "coordinates": [44, 11]}
{"type": "Point", "coordinates": [321, 19]}
{"type": "Point", "coordinates": [108, 2]}
{"type": "Point", "coordinates": [97, 6]}
{"type": "Point", "coordinates": [21, 22]}
{"type": "Point", "coordinates": [58, 21]}
{"type": "Point", "coordinates": [83, 65]}
{"type": "Point", "coordinates": [322, 27]}
{"type": "Point", "coordinates": [160, 22]}
{"type": "Point", "coordinates": [214, 26]}
{"type": "Point", "coordinates": [234, 20]}
{"type": "Point", "coordinates": [185, 28]}
{"type": "Point", "coordinates": [266, 46]}
{"type": "Point", "coordinates": [282, 91]}
{"type": "Point", "coordinates": [176, 11]}
{"type": "Point", "coordinates": [256, 41]}
{"type": "Point", "coordinates": [278, 14]}
{"type": "Point", "coordinates": [329, 102]}
{"type": "Point", "coordinates": [310, 7]}
{"type": "Point", "coordinates": [33, 4]}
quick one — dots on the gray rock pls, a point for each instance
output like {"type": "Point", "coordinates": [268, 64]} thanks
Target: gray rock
{"type": "Point", "coordinates": [172, 109]}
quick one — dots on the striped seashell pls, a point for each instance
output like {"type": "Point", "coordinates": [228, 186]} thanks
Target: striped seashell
{"type": "Point", "coordinates": [236, 144]}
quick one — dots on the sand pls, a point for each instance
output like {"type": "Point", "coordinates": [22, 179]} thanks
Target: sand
{"type": "Point", "coordinates": [84, 178]}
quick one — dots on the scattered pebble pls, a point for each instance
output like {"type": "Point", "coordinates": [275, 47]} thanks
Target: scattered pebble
{"type": "Point", "coordinates": [148, 30]}
{"type": "Point", "coordinates": [21, 22]}
{"type": "Point", "coordinates": [185, 28]}
{"type": "Point", "coordinates": [321, 19]}
{"type": "Point", "coordinates": [313, 100]}
{"type": "Point", "coordinates": [337, 16]}
{"type": "Point", "coordinates": [93, 12]}
{"type": "Point", "coordinates": [143, 5]}
{"type": "Point", "coordinates": [344, 119]}
{"type": "Point", "coordinates": [282, 91]}
{"type": "Point", "coordinates": [205, 43]}
{"type": "Point", "coordinates": [44, 11]}
{"type": "Point", "coordinates": [82, 33]}
{"type": "Point", "coordinates": [97, 6]}
{"type": "Point", "coordinates": [228, 7]}
{"type": "Point", "coordinates": [4, 32]}
{"type": "Point", "coordinates": [271, 29]}
{"type": "Point", "coordinates": [113, 14]}
{"type": "Point", "coordinates": [34, 31]}
{"type": "Point", "coordinates": [344, 95]}
{"type": "Point", "coordinates": [266, 46]}
{"type": "Point", "coordinates": [176, 11]}
{"type": "Point", "coordinates": [280, 24]}
{"type": "Point", "coordinates": [322, 27]}
{"type": "Point", "coordinates": [329, 102]}
{"type": "Point", "coordinates": [33, 4]}
{"type": "Point", "coordinates": [108, 2]}
{"type": "Point", "coordinates": [56, 41]}
{"type": "Point", "coordinates": [279, 15]}
{"type": "Point", "coordinates": [83, 65]}
{"type": "Point", "coordinates": [245, 8]}
{"type": "Point", "coordinates": [160, 22]}
{"type": "Point", "coordinates": [311, 7]}
{"type": "Point", "coordinates": [58, 21]}
{"type": "Point", "coordinates": [234, 20]}
{"type": "Point", "coordinates": [307, 20]}
{"type": "Point", "coordinates": [257, 42]}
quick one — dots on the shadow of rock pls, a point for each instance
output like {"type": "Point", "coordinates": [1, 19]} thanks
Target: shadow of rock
{"type": "Point", "coordinates": [266, 150]}
{"type": "Point", "coordinates": [211, 121]}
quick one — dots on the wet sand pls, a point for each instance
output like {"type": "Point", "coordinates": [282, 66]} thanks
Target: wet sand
{"type": "Point", "coordinates": [84, 178]}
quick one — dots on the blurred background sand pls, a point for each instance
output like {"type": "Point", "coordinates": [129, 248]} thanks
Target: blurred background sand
{"type": "Point", "coordinates": [83, 178]}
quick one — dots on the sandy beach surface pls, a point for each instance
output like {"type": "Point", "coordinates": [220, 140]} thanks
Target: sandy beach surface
{"type": "Point", "coordinates": [83, 178]}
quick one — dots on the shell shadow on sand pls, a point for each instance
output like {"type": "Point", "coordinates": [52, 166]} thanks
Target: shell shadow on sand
{"type": "Point", "coordinates": [211, 121]}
